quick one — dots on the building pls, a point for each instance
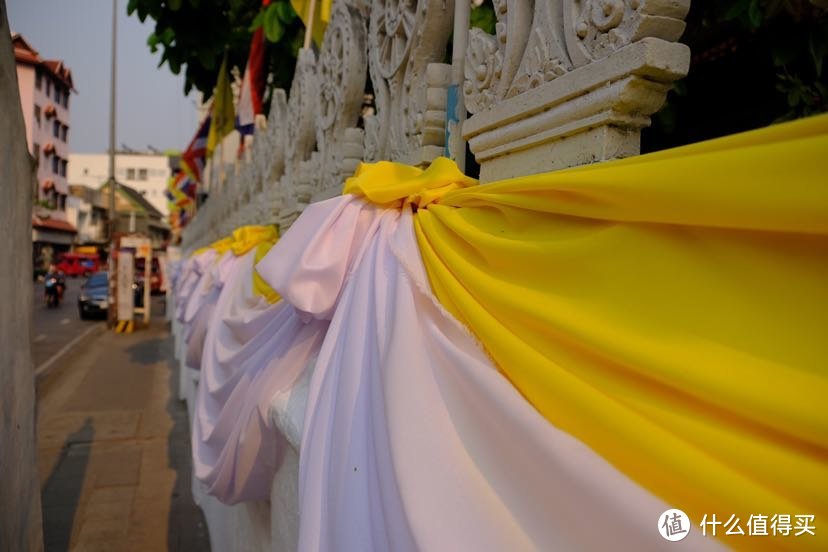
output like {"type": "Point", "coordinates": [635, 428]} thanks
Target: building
{"type": "Point", "coordinates": [146, 173]}
{"type": "Point", "coordinates": [86, 210]}
{"type": "Point", "coordinates": [135, 214]}
{"type": "Point", "coordinates": [45, 90]}
{"type": "Point", "coordinates": [45, 87]}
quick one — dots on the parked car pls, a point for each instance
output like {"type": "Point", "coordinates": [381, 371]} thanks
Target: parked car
{"type": "Point", "coordinates": [94, 296]}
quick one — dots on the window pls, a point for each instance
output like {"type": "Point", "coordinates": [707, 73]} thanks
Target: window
{"type": "Point", "coordinates": [85, 171]}
{"type": "Point", "coordinates": [56, 128]}
{"type": "Point", "coordinates": [66, 99]}
{"type": "Point", "coordinates": [63, 164]}
{"type": "Point", "coordinates": [48, 86]}
{"type": "Point", "coordinates": [37, 114]}
{"type": "Point", "coordinates": [38, 79]}
{"type": "Point", "coordinates": [36, 152]}
{"type": "Point", "coordinates": [55, 164]}
{"type": "Point", "coordinates": [142, 174]}
{"type": "Point", "coordinates": [64, 132]}
{"type": "Point", "coordinates": [130, 174]}
{"type": "Point", "coordinates": [58, 94]}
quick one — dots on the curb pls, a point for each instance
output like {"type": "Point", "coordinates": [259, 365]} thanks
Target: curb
{"type": "Point", "coordinates": [46, 367]}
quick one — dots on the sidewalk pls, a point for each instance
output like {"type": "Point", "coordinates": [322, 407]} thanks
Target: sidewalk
{"type": "Point", "coordinates": [114, 450]}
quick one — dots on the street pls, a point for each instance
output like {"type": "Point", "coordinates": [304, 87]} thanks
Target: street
{"type": "Point", "coordinates": [53, 329]}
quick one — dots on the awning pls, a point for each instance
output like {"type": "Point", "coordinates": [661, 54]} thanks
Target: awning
{"type": "Point", "coordinates": [53, 224]}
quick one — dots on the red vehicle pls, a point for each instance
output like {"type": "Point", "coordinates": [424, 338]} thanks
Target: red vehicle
{"type": "Point", "coordinates": [78, 264]}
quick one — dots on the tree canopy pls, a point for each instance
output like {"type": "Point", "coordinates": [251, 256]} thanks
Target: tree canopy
{"type": "Point", "coordinates": [193, 35]}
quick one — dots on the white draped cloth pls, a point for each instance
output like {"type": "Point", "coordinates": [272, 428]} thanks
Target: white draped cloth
{"type": "Point", "coordinates": [412, 438]}
{"type": "Point", "coordinates": [198, 314]}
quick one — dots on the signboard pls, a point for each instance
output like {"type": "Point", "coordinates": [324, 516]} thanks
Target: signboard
{"type": "Point", "coordinates": [126, 271]}
{"type": "Point", "coordinates": [143, 250]}
{"type": "Point", "coordinates": [142, 246]}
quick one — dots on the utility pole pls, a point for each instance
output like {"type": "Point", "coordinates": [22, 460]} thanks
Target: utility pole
{"type": "Point", "coordinates": [113, 184]}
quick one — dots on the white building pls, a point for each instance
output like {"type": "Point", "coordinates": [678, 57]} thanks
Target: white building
{"type": "Point", "coordinates": [147, 173]}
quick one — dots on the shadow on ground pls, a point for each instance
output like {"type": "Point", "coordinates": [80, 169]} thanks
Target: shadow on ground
{"type": "Point", "coordinates": [147, 352]}
{"type": "Point", "coordinates": [62, 490]}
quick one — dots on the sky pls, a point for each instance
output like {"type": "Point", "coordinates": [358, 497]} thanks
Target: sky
{"type": "Point", "coordinates": [151, 107]}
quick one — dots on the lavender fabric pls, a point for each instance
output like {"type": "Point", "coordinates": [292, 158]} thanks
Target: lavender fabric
{"type": "Point", "coordinates": [412, 439]}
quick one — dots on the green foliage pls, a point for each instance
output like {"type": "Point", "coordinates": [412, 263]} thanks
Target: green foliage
{"type": "Point", "coordinates": [483, 17]}
{"type": "Point", "coordinates": [754, 62]}
{"type": "Point", "coordinates": [192, 36]}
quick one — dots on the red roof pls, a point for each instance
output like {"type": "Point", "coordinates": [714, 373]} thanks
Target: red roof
{"type": "Point", "coordinates": [53, 224]}
{"type": "Point", "coordinates": [24, 53]}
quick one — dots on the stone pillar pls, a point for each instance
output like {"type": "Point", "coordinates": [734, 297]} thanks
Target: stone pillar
{"type": "Point", "coordinates": [20, 518]}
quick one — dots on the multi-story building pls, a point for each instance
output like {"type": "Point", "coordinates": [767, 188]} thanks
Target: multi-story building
{"type": "Point", "coordinates": [147, 173]}
{"type": "Point", "coordinates": [45, 90]}
{"type": "Point", "coordinates": [45, 87]}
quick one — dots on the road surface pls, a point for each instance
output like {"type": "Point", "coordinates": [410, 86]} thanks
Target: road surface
{"type": "Point", "coordinates": [53, 329]}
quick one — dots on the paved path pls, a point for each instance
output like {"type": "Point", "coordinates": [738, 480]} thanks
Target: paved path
{"type": "Point", "coordinates": [114, 450]}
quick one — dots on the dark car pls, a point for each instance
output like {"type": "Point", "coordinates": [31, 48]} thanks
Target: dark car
{"type": "Point", "coordinates": [94, 296]}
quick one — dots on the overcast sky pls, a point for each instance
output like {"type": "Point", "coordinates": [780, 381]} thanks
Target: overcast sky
{"type": "Point", "coordinates": [152, 108]}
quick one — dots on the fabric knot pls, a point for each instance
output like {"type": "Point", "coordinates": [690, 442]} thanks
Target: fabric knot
{"type": "Point", "coordinates": [394, 185]}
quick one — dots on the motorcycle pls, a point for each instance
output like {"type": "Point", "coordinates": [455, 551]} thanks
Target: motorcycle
{"type": "Point", "coordinates": [54, 286]}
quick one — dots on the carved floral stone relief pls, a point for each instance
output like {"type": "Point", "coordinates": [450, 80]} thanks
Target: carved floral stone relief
{"type": "Point", "coordinates": [537, 42]}
{"type": "Point", "coordinates": [404, 37]}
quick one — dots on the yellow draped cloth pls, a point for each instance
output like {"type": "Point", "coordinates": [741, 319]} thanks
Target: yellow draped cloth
{"type": "Point", "coordinates": [668, 310]}
{"type": "Point", "coordinates": [262, 238]}
{"type": "Point", "coordinates": [242, 240]}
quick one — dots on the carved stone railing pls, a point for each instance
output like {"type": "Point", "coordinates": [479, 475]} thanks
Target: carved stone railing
{"type": "Point", "coordinates": [569, 82]}
{"type": "Point", "coordinates": [562, 83]}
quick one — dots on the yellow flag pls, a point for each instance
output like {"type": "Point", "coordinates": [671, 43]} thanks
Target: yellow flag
{"type": "Point", "coordinates": [223, 114]}
{"type": "Point", "coordinates": [321, 16]}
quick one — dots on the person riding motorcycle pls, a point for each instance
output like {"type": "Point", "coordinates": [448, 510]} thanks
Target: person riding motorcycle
{"type": "Point", "coordinates": [54, 284]}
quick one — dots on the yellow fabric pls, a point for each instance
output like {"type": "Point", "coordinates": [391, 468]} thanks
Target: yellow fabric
{"type": "Point", "coordinates": [222, 112]}
{"type": "Point", "coordinates": [668, 310]}
{"type": "Point", "coordinates": [262, 238]}
{"type": "Point", "coordinates": [246, 238]}
{"type": "Point", "coordinates": [393, 184]}
{"type": "Point", "coordinates": [260, 287]}
{"type": "Point", "coordinates": [222, 246]}
{"type": "Point", "coordinates": [321, 18]}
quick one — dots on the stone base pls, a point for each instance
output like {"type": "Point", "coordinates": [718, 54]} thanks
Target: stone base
{"type": "Point", "coordinates": [591, 146]}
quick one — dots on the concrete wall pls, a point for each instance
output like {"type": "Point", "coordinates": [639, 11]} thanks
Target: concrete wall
{"type": "Point", "coordinates": [20, 518]}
